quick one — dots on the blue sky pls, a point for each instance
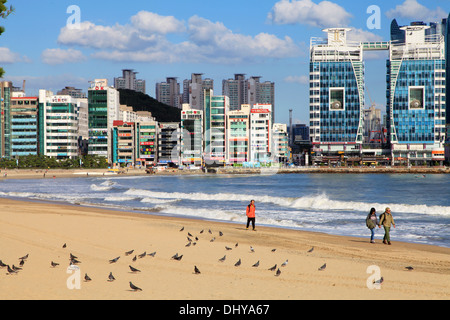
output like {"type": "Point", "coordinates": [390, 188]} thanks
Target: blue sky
{"type": "Point", "coordinates": [45, 46]}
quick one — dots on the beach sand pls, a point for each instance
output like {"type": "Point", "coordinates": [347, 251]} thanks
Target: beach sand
{"type": "Point", "coordinates": [96, 236]}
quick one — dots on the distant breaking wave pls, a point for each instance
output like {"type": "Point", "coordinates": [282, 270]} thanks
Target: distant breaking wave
{"type": "Point", "coordinates": [317, 202]}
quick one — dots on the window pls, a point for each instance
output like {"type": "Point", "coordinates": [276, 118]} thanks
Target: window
{"type": "Point", "coordinates": [416, 97]}
{"type": "Point", "coordinates": [337, 101]}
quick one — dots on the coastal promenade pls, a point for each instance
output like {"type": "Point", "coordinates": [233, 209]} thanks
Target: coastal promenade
{"type": "Point", "coordinates": [73, 173]}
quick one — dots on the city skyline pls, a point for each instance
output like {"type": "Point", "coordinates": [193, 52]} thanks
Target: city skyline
{"type": "Point", "coordinates": [44, 45]}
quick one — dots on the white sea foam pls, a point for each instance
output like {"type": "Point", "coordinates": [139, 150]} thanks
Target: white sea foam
{"type": "Point", "coordinates": [95, 187]}
{"type": "Point", "coordinates": [108, 183]}
{"type": "Point", "coordinates": [322, 202]}
{"type": "Point", "coordinates": [317, 202]}
{"type": "Point", "coordinates": [157, 201]}
{"type": "Point", "coordinates": [199, 196]}
{"type": "Point", "coordinates": [120, 198]}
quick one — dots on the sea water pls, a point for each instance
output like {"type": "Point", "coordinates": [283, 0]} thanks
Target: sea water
{"type": "Point", "coordinates": [330, 203]}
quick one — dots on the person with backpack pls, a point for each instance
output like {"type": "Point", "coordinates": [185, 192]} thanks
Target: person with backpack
{"type": "Point", "coordinates": [386, 220]}
{"type": "Point", "coordinates": [371, 223]}
{"type": "Point", "coordinates": [250, 212]}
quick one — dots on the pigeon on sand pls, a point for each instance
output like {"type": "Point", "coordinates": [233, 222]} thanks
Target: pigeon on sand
{"type": "Point", "coordinates": [196, 271]}
{"type": "Point", "coordinates": [134, 270]}
{"type": "Point", "coordinates": [114, 260]}
{"type": "Point", "coordinates": [134, 288]}
{"type": "Point", "coordinates": [111, 277]}
{"type": "Point", "coordinates": [24, 257]}
{"type": "Point", "coordinates": [10, 271]}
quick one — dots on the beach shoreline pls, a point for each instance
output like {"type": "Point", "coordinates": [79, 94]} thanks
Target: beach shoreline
{"type": "Point", "coordinates": [96, 235]}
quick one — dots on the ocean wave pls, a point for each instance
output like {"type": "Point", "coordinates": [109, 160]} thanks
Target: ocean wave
{"type": "Point", "coordinates": [120, 198]}
{"type": "Point", "coordinates": [320, 202]}
{"type": "Point", "coordinates": [158, 201]}
{"type": "Point", "coordinates": [199, 196]}
{"type": "Point", "coordinates": [95, 187]}
{"type": "Point", "coordinates": [108, 183]}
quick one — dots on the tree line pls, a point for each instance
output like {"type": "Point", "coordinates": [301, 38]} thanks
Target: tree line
{"type": "Point", "coordinates": [45, 162]}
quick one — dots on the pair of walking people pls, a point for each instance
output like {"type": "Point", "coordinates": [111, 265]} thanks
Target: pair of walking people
{"type": "Point", "coordinates": [386, 220]}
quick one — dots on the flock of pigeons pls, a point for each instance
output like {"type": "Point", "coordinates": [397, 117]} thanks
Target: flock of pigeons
{"type": "Point", "coordinates": [192, 240]}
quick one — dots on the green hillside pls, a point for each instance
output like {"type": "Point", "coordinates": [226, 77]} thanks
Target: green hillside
{"type": "Point", "coordinates": [143, 102]}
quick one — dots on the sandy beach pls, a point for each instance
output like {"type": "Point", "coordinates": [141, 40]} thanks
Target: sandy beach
{"type": "Point", "coordinates": [96, 236]}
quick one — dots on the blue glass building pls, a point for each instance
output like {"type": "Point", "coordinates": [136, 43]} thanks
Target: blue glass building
{"type": "Point", "coordinates": [336, 94]}
{"type": "Point", "coordinates": [415, 108]}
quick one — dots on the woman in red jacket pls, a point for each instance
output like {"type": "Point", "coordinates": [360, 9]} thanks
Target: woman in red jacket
{"type": "Point", "coordinates": [251, 214]}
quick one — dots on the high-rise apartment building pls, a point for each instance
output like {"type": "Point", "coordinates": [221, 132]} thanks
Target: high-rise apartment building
{"type": "Point", "coordinates": [169, 135]}
{"type": "Point", "coordinates": [123, 143]}
{"type": "Point", "coordinates": [73, 92]}
{"type": "Point", "coordinates": [260, 92]}
{"type": "Point", "coordinates": [236, 90]}
{"type": "Point", "coordinates": [58, 125]}
{"type": "Point", "coordinates": [214, 115]}
{"type": "Point", "coordinates": [248, 91]}
{"type": "Point", "coordinates": [6, 88]}
{"type": "Point", "coordinates": [373, 131]}
{"type": "Point", "coordinates": [104, 108]}
{"type": "Point", "coordinates": [280, 143]}
{"type": "Point", "coordinates": [147, 142]}
{"type": "Point", "coordinates": [129, 81]}
{"type": "Point", "coordinates": [336, 93]}
{"type": "Point", "coordinates": [416, 96]}
{"type": "Point", "coordinates": [194, 89]}
{"type": "Point", "coordinates": [169, 92]}
{"type": "Point", "coordinates": [261, 133]}
{"type": "Point", "coordinates": [191, 136]}
{"type": "Point", "coordinates": [24, 126]}
{"type": "Point", "coordinates": [238, 135]}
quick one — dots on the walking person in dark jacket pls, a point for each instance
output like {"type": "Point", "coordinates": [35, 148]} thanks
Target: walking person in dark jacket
{"type": "Point", "coordinates": [371, 223]}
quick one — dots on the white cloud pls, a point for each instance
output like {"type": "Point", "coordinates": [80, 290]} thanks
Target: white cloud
{"type": "Point", "coordinates": [7, 56]}
{"type": "Point", "coordinates": [297, 79]}
{"type": "Point", "coordinates": [411, 9]}
{"type": "Point", "coordinates": [323, 14]}
{"type": "Point", "coordinates": [101, 37]}
{"type": "Point", "coordinates": [155, 23]}
{"type": "Point", "coordinates": [356, 34]}
{"type": "Point", "coordinates": [214, 39]}
{"type": "Point", "coordinates": [60, 56]}
{"type": "Point", "coordinates": [206, 41]}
